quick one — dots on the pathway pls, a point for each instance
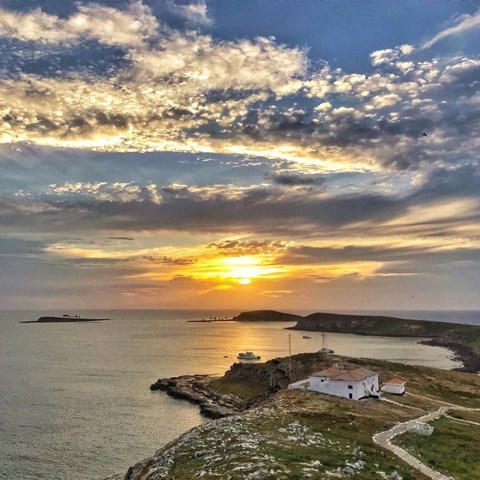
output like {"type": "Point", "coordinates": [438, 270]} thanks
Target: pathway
{"type": "Point", "coordinates": [462, 420]}
{"type": "Point", "coordinates": [384, 439]}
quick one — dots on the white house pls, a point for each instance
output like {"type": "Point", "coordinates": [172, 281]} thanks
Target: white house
{"type": "Point", "coordinates": [353, 383]}
{"type": "Point", "coordinates": [395, 386]}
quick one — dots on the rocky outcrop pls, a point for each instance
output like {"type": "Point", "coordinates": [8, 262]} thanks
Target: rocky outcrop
{"type": "Point", "coordinates": [195, 389]}
{"type": "Point", "coordinates": [272, 375]}
{"type": "Point", "coordinates": [278, 372]}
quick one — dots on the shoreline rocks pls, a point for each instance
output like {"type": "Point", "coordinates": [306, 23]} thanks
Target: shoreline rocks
{"type": "Point", "coordinates": [463, 353]}
{"type": "Point", "coordinates": [195, 389]}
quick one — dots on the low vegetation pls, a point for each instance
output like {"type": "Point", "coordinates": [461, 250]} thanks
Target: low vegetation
{"type": "Point", "coordinates": [453, 448]}
{"type": "Point", "coordinates": [306, 435]}
{"type": "Point", "coordinates": [242, 388]}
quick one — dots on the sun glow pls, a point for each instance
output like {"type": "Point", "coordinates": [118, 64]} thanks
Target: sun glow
{"type": "Point", "coordinates": [242, 270]}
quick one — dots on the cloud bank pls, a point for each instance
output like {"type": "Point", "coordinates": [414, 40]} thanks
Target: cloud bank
{"type": "Point", "coordinates": [182, 90]}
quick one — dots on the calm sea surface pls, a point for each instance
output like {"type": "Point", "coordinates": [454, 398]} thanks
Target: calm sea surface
{"type": "Point", "coordinates": [75, 401]}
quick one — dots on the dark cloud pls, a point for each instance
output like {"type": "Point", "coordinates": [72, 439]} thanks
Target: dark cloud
{"type": "Point", "coordinates": [247, 247]}
{"type": "Point", "coordinates": [414, 257]}
{"type": "Point", "coordinates": [293, 180]}
{"type": "Point", "coordinates": [131, 239]}
{"type": "Point", "coordinates": [168, 260]}
{"type": "Point", "coordinates": [261, 209]}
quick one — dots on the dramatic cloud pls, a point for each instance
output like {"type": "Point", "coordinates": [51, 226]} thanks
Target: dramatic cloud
{"type": "Point", "coordinates": [161, 153]}
{"type": "Point", "coordinates": [223, 208]}
{"type": "Point", "coordinates": [186, 91]}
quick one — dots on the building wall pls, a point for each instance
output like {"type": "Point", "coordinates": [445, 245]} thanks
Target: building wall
{"type": "Point", "coordinates": [397, 389]}
{"type": "Point", "coordinates": [341, 388]}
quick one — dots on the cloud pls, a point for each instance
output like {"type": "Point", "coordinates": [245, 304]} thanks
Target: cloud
{"type": "Point", "coordinates": [390, 55]}
{"type": "Point", "coordinates": [168, 260]}
{"type": "Point", "coordinates": [195, 13]}
{"type": "Point", "coordinates": [247, 247]}
{"type": "Point", "coordinates": [293, 180]}
{"type": "Point", "coordinates": [465, 23]}
{"type": "Point", "coordinates": [185, 91]}
{"type": "Point", "coordinates": [130, 239]}
{"type": "Point", "coordinates": [445, 198]}
{"type": "Point", "coordinates": [110, 26]}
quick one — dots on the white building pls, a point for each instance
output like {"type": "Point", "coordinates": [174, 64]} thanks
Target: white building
{"type": "Point", "coordinates": [395, 386]}
{"type": "Point", "coordinates": [353, 383]}
{"type": "Point", "coordinates": [421, 428]}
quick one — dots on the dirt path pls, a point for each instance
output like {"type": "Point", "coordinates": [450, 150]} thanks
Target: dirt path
{"type": "Point", "coordinates": [384, 439]}
{"type": "Point", "coordinates": [461, 420]}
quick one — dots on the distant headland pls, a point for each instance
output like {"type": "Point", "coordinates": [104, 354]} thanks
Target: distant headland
{"type": "Point", "coordinates": [463, 339]}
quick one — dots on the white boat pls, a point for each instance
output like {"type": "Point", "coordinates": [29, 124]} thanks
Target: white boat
{"type": "Point", "coordinates": [248, 356]}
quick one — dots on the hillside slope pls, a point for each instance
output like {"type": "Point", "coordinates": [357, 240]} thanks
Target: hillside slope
{"type": "Point", "coordinates": [294, 435]}
{"type": "Point", "coordinates": [381, 325]}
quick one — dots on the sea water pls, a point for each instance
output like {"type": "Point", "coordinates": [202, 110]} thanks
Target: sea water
{"type": "Point", "coordinates": [75, 402]}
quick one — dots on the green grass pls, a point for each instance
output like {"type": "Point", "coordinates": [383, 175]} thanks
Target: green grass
{"type": "Point", "coordinates": [301, 429]}
{"type": "Point", "coordinates": [453, 448]}
{"type": "Point", "coordinates": [340, 428]}
{"type": "Point", "coordinates": [470, 416]}
{"type": "Point", "coordinates": [243, 389]}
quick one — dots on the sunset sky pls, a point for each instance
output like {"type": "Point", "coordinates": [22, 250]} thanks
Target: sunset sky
{"type": "Point", "coordinates": [299, 155]}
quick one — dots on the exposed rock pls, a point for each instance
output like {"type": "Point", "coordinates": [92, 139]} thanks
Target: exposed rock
{"type": "Point", "coordinates": [195, 389]}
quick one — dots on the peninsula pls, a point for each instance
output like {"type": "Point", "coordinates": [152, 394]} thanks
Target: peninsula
{"type": "Point", "coordinates": [269, 432]}
{"type": "Point", "coordinates": [462, 339]}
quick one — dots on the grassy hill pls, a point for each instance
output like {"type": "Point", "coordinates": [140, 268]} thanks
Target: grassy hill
{"type": "Point", "coordinates": [295, 435]}
{"type": "Point", "coordinates": [382, 325]}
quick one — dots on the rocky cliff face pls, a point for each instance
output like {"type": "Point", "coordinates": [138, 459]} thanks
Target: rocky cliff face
{"type": "Point", "coordinates": [196, 389]}
{"type": "Point", "coordinates": [279, 372]}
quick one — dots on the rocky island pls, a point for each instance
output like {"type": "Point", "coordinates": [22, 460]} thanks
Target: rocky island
{"type": "Point", "coordinates": [267, 432]}
{"type": "Point", "coordinates": [66, 319]}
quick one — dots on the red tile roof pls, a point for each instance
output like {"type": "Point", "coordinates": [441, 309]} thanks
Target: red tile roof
{"type": "Point", "coordinates": [353, 375]}
{"type": "Point", "coordinates": [396, 381]}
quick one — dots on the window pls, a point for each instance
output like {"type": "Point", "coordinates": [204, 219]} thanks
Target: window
{"type": "Point", "coordinates": [350, 387]}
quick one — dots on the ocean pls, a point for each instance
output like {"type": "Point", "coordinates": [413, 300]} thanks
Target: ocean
{"type": "Point", "coordinates": [75, 402]}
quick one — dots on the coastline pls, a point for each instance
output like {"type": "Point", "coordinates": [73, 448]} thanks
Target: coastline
{"type": "Point", "coordinates": [462, 353]}
{"type": "Point", "coordinates": [195, 389]}
{"type": "Point", "coordinates": [285, 417]}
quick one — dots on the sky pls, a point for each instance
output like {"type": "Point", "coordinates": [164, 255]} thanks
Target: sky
{"type": "Point", "coordinates": [313, 155]}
